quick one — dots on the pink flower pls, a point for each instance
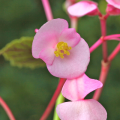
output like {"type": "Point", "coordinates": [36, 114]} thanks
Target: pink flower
{"type": "Point", "coordinates": [115, 3]}
{"type": "Point", "coordinates": [81, 110]}
{"type": "Point", "coordinates": [65, 53]}
{"type": "Point", "coordinates": [83, 8]}
{"type": "Point", "coordinates": [111, 10]}
{"type": "Point", "coordinates": [77, 89]}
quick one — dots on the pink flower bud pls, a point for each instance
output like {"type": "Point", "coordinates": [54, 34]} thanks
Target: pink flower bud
{"type": "Point", "coordinates": [111, 10]}
{"type": "Point", "coordinates": [115, 3]}
{"type": "Point", "coordinates": [83, 8]}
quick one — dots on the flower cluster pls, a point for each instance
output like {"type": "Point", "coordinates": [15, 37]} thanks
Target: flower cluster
{"type": "Point", "coordinates": [80, 109]}
{"type": "Point", "coordinates": [67, 55]}
{"type": "Point", "coordinates": [86, 7]}
{"type": "Point", "coordinates": [113, 7]}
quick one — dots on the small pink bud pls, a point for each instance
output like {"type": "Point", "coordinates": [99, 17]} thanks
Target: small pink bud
{"type": "Point", "coordinates": [83, 8]}
{"type": "Point", "coordinates": [115, 3]}
{"type": "Point", "coordinates": [36, 30]}
{"type": "Point", "coordinates": [111, 10]}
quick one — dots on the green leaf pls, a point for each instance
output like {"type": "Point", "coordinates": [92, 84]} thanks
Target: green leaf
{"type": "Point", "coordinates": [18, 52]}
{"type": "Point", "coordinates": [102, 6]}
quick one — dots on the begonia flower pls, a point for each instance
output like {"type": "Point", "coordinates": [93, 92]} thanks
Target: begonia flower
{"type": "Point", "coordinates": [77, 89]}
{"type": "Point", "coordinates": [89, 109]}
{"type": "Point", "coordinates": [79, 108]}
{"type": "Point", "coordinates": [83, 8]}
{"type": "Point", "coordinates": [65, 53]}
{"type": "Point", "coordinates": [111, 10]}
{"type": "Point", "coordinates": [115, 3]}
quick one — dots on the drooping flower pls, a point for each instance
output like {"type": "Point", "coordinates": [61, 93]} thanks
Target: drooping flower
{"type": "Point", "coordinates": [114, 3]}
{"type": "Point", "coordinates": [111, 10]}
{"type": "Point", "coordinates": [65, 53]}
{"type": "Point", "coordinates": [78, 108]}
{"type": "Point", "coordinates": [77, 89]}
{"type": "Point", "coordinates": [83, 8]}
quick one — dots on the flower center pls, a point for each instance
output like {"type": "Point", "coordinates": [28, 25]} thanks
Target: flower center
{"type": "Point", "coordinates": [62, 48]}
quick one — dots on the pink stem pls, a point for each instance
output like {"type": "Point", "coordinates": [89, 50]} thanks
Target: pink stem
{"type": "Point", "coordinates": [74, 21]}
{"type": "Point", "coordinates": [105, 63]}
{"type": "Point", "coordinates": [93, 47]}
{"type": "Point", "coordinates": [99, 14]}
{"type": "Point", "coordinates": [47, 9]}
{"type": "Point", "coordinates": [7, 109]}
{"type": "Point", "coordinates": [106, 16]}
{"type": "Point", "coordinates": [109, 37]}
{"type": "Point", "coordinates": [103, 75]}
{"type": "Point", "coordinates": [103, 33]}
{"type": "Point", "coordinates": [105, 67]}
{"type": "Point", "coordinates": [114, 53]}
{"type": "Point", "coordinates": [100, 41]}
{"type": "Point", "coordinates": [53, 100]}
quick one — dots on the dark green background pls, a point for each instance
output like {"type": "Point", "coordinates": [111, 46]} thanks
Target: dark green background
{"type": "Point", "coordinates": [27, 92]}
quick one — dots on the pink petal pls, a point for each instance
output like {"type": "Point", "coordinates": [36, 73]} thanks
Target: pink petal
{"type": "Point", "coordinates": [82, 8]}
{"type": "Point", "coordinates": [70, 36]}
{"type": "Point", "coordinates": [111, 10]}
{"type": "Point", "coordinates": [74, 65]}
{"type": "Point", "coordinates": [115, 3]}
{"type": "Point", "coordinates": [48, 35]}
{"type": "Point", "coordinates": [47, 55]}
{"type": "Point", "coordinates": [81, 110]}
{"type": "Point", "coordinates": [78, 88]}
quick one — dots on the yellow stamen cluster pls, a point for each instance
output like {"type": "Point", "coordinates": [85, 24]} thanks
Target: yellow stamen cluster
{"type": "Point", "coordinates": [61, 49]}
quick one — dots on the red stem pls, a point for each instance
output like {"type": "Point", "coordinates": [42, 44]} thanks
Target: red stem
{"type": "Point", "coordinates": [109, 37]}
{"type": "Point", "coordinates": [53, 100]}
{"type": "Point", "coordinates": [95, 45]}
{"type": "Point", "coordinates": [114, 53]}
{"type": "Point", "coordinates": [100, 41]}
{"type": "Point", "coordinates": [103, 33]}
{"type": "Point", "coordinates": [47, 9]}
{"type": "Point", "coordinates": [103, 75]}
{"type": "Point", "coordinates": [7, 109]}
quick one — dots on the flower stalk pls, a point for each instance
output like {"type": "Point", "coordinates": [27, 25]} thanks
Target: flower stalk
{"type": "Point", "coordinates": [103, 75]}
{"type": "Point", "coordinates": [95, 45]}
{"type": "Point", "coordinates": [7, 109]}
{"type": "Point", "coordinates": [47, 9]}
{"type": "Point", "coordinates": [53, 100]}
{"type": "Point", "coordinates": [103, 33]}
{"type": "Point", "coordinates": [74, 22]}
{"type": "Point", "coordinates": [114, 53]}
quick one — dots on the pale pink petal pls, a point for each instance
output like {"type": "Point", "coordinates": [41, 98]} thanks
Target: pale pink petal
{"type": "Point", "coordinates": [47, 55]}
{"type": "Point", "coordinates": [70, 36]}
{"type": "Point", "coordinates": [74, 65]}
{"type": "Point", "coordinates": [111, 10]}
{"type": "Point", "coordinates": [82, 8]}
{"type": "Point", "coordinates": [78, 88]}
{"type": "Point", "coordinates": [81, 110]}
{"type": "Point", "coordinates": [93, 13]}
{"type": "Point", "coordinates": [115, 3]}
{"type": "Point", "coordinates": [48, 35]}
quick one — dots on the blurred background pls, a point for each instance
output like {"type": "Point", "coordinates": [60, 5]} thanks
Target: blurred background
{"type": "Point", "coordinates": [28, 91]}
